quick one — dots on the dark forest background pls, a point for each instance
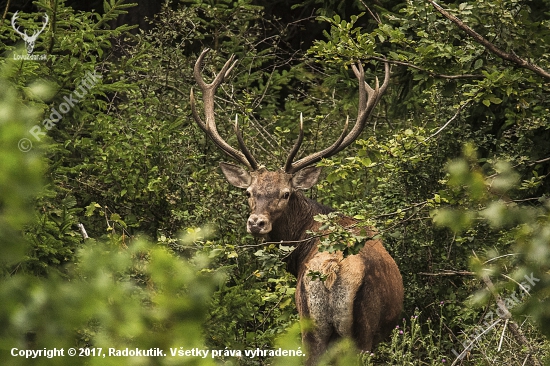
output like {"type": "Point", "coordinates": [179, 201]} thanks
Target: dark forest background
{"type": "Point", "coordinates": [452, 170]}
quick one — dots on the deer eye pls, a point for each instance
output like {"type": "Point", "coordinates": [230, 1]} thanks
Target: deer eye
{"type": "Point", "coordinates": [286, 195]}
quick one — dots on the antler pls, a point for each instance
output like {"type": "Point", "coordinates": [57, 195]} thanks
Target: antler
{"type": "Point", "coordinates": [24, 34]}
{"type": "Point", "coordinates": [15, 27]}
{"type": "Point", "coordinates": [45, 20]}
{"type": "Point", "coordinates": [366, 106]}
{"type": "Point", "coordinates": [29, 40]}
{"type": "Point", "coordinates": [208, 92]}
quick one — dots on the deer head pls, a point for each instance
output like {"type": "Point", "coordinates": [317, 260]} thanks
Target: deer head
{"type": "Point", "coordinates": [29, 40]}
{"type": "Point", "coordinates": [271, 193]}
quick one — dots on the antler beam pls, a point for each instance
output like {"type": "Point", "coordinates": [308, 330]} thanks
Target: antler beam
{"type": "Point", "coordinates": [368, 99]}
{"type": "Point", "coordinates": [208, 92]}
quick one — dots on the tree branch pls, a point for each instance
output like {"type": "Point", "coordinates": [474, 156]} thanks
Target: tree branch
{"type": "Point", "coordinates": [431, 73]}
{"type": "Point", "coordinates": [509, 56]}
{"type": "Point", "coordinates": [448, 272]}
{"type": "Point", "coordinates": [6, 10]}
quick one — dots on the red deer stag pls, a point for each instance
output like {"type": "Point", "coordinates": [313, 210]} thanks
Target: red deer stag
{"type": "Point", "coordinates": [361, 296]}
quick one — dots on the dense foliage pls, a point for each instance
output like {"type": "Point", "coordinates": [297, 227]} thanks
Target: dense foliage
{"type": "Point", "coordinates": [452, 170]}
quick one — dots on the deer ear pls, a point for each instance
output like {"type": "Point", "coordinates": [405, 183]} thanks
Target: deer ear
{"type": "Point", "coordinates": [236, 175]}
{"type": "Point", "coordinates": [306, 178]}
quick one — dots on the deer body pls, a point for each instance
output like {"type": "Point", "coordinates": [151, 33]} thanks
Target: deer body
{"type": "Point", "coordinates": [359, 296]}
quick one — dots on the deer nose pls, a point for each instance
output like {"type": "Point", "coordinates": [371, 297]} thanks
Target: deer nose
{"type": "Point", "coordinates": [258, 224]}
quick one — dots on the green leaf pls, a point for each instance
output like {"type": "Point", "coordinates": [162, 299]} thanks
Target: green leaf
{"type": "Point", "coordinates": [91, 208]}
{"type": "Point", "coordinates": [478, 64]}
{"type": "Point", "coordinates": [495, 100]}
{"type": "Point", "coordinates": [216, 253]}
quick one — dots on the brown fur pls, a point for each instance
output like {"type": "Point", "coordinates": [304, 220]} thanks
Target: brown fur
{"type": "Point", "coordinates": [361, 296]}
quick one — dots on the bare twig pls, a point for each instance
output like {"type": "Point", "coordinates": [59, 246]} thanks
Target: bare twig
{"type": "Point", "coordinates": [509, 56]}
{"type": "Point", "coordinates": [502, 335]}
{"type": "Point", "coordinates": [517, 283]}
{"type": "Point", "coordinates": [466, 349]}
{"type": "Point", "coordinates": [448, 273]}
{"type": "Point", "coordinates": [429, 72]}
{"type": "Point", "coordinates": [374, 15]}
{"type": "Point", "coordinates": [446, 123]}
{"type": "Point", "coordinates": [540, 161]}
{"type": "Point", "coordinates": [400, 211]}
{"type": "Point", "coordinates": [500, 256]}
{"type": "Point", "coordinates": [83, 231]}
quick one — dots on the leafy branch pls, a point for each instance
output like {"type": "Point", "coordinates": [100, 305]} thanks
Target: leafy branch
{"type": "Point", "coordinates": [509, 56]}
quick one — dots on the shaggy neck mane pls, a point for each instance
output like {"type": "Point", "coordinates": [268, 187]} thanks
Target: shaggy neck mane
{"type": "Point", "coordinates": [292, 226]}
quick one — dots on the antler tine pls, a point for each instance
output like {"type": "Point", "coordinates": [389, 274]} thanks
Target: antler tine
{"type": "Point", "coordinates": [15, 27]}
{"type": "Point", "coordinates": [318, 156]}
{"type": "Point", "coordinates": [296, 147]}
{"type": "Point", "coordinates": [377, 90]}
{"type": "Point", "coordinates": [44, 24]}
{"type": "Point", "coordinates": [224, 72]}
{"type": "Point", "coordinates": [205, 127]}
{"type": "Point", "coordinates": [366, 106]}
{"type": "Point", "coordinates": [208, 93]}
{"type": "Point", "coordinates": [360, 75]}
{"type": "Point", "coordinates": [244, 149]}
{"type": "Point", "coordinates": [368, 98]}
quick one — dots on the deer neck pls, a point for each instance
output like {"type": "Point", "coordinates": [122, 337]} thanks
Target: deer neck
{"type": "Point", "coordinates": [296, 219]}
{"type": "Point", "coordinates": [293, 225]}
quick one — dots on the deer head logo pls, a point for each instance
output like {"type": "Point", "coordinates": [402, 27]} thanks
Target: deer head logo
{"type": "Point", "coordinates": [29, 40]}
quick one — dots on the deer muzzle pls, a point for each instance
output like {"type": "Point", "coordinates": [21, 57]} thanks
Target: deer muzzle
{"type": "Point", "coordinates": [258, 225]}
